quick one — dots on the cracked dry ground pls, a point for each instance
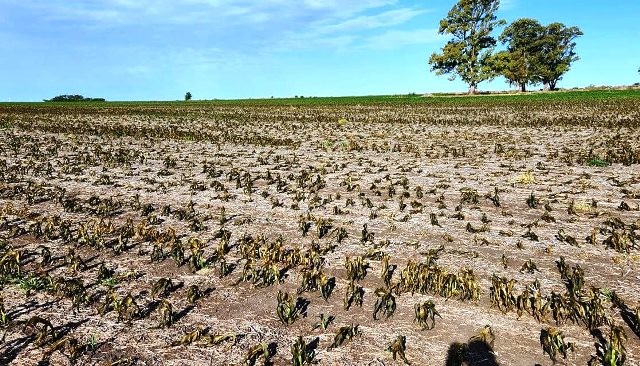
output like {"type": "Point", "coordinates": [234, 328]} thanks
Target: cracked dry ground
{"type": "Point", "coordinates": [244, 201]}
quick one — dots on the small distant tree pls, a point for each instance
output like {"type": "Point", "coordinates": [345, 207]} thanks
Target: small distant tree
{"type": "Point", "coordinates": [466, 55]}
{"type": "Point", "coordinates": [187, 96]}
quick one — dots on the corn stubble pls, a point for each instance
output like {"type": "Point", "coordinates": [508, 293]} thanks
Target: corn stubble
{"type": "Point", "coordinates": [287, 308]}
{"type": "Point", "coordinates": [553, 343]}
{"type": "Point", "coordinates": [343, 335]}
{"type": "Point", "coordinates": [79, 203]}
{"type": "Point", "coordinates": [259, 351]}
{"type": "Point", "coordinates": [385, 303]}
{"type": "Point", "coordinates": [425, 314]}
{"type": "Point", "coordinates": [398, 348]}
{"type": "Point", "coordinates": [302, 353]}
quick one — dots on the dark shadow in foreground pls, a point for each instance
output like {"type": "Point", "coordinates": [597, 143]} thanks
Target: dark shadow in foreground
{"type": "Point", "coordinates": [474, 353]}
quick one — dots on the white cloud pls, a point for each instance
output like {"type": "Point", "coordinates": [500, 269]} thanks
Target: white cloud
{"type": "Point", "coordinates": [336, 42]}
{"type": "Point", "coordinates": [239, 25]}
{"type": "Point", "coordinates": [400, 38]}
{"type": "Point", "coordinates": [341, 33]}
{"type": "Point", "coordinates": [347, 6]}
{"type": "Point", "coordinates": [189, 11]}
{"type": "Point", "coordinates": [384, 19]}
{"type": "Point", "coordinates": [508, 4]}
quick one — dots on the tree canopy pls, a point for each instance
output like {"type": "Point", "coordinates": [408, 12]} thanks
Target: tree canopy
{"type": "Point", "coordinates": [520, 62]}
{"type": "Point", "coordinates": [557, 53]}
{"type": "Point", "coordinates": [467, 54]}
{"type": "Point", "coordinates": [534, 53]}
{"type": "Point", "coordinates": [73, 98]}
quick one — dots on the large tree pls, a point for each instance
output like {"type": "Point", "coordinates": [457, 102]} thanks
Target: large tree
{"type": "Point", "coordinates": [557, 53]}
{"type": "Point", "coordinates": [520, 62]}
{"type": "Point", "coordinates": [471, 23]}
{"type": "Point", "coordinates": [535, 53]}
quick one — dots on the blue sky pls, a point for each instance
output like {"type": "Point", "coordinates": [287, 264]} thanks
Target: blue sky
{"type": "Point", "coordinates": [159, 49]}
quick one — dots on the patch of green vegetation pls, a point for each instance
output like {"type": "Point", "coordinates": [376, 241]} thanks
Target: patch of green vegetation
{"type": "Point", "coordinates": [31, 283]}
{"type": "Point", "coordinates": [109, 282]}
{"type": "Point", "coordinates": [597, 161]}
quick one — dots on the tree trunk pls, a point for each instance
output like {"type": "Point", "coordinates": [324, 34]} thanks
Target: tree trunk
{"type": "Point", "coordinates": [552, 85]}
{"type": "Point", "coordinates": [473, 89]}
{"type": "Point", "coordinates": [523, 87]}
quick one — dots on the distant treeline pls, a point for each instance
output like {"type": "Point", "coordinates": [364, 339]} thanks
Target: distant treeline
{"type": "Point", "coordinates": [73, 98]}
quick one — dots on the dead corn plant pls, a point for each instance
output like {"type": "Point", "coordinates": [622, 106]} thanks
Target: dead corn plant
{"type": "Point", "coordinates": [344, 334]}
{"type": "Point", "coordinates": [484, 335]}
{"type": "Point", "coordinates": [324, 321]}
{"type": "Point", "coordinates": [327, 284]}
{"type": "Point", "coordinates": [532, 201]}
{"type": "Point", "coordinates": [529, 266]}
{"type": "Point", "coordinates": [302, 353]}
{"type": "Point", "coordinates": [287, 308]}
{"type": "Point", "coordinates": [425, 314]}
{"type": "Point", "coordinates": [470, 196]}
{"type": "Point", "coordinates": [166, 316]}
{"type": "Point", "coordinates": [562, 237]}
{"type": "Point", "coordinates": [162, 288]}
{"type": "Point", "coordinates": [75, 290]}
{"type": "Point", "coordinates": [354, 295]}
{"type": "Point", "coordinates": [615, 353]}
{"type": "Point", "coordinates": [553, 343]}
{"type": "Point", "coordinates": [502, 293]}
{"type": "Point", "coordinates": [310, 280]}
{"type": "Point", "coordinates": [194, 336]}
{"type": "Point", "coordinates": [41, 328]}
{"type": "Point", "coordinates": [356, 268]}
{"type": "Point", "coordinates": [621, 241]}
{"type": "Point", "coordinates": [4, 316]}
{"type": "Point", "coordinates": [197, 261]}
{"type": "Point", "coordinates": [387, 271]}
{"type": "Point", "coordinates": [467, 284]}
{"type": "Point", "coordinates": [531, 302]}
{"type": "Point", "coordinates": [398, 348]}
{"type": "Point", "coordinates": [194, 294]}
{"type": "Point", "coordinates": [128, 309]}
{"type": "Point", "coordinates": [10, 264]}
{"type": "Point", "coordinates": [385, 303]}
{"type": "Point", "coordinates": [256, 352]}
{"type": "Point", "coordinates": [69, 347]}
{"type": "Point", "coordinates": [505, 261]}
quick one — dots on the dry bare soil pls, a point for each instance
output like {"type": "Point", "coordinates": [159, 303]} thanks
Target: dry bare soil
{"type": "Point", "coordinates": [522, 216]}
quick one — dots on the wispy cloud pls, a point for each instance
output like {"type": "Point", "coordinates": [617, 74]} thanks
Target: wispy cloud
{"type": "Point", "coordinates": [401, 38]}
{"type": "Point", "coordinates": [346, 7]}
{"type": "Point", "coordinates": [508, 4]}
{"type": "Point", "coordinates": [117, 12]}
{"type": "Point", "coordinates": [251, 24]}
{"type": "Point", "coordinates": [385, 19]}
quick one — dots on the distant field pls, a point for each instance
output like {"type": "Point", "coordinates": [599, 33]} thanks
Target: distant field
{"type": "Point", "coordinates": [219, 232]}
{"type": "Point", "coordinates": [437, 98]}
